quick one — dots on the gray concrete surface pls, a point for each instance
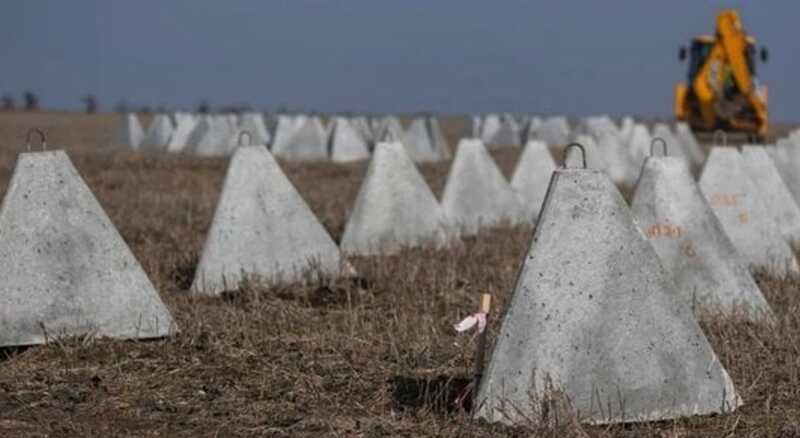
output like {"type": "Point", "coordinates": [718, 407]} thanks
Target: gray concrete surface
{"type": "Point", "coordinates": [476, 193]}
{"type": "Point", "coordinates": [773, 191]}
{"type": "Point", "coordinates": [595, 317]}
{"type": "Point", "coordinates": [66, 270]}
{"type": "Point", "coordinates": [346, 143]}
{"type": "Point", "coordinates": [129, 132]}
{"type": "Point", "coordinates": [708, 271]}
{"type": "Point", "coordinates": [308, 142]}
{"type": "Point", "coordinates": [737, 204]}
{"type": "Point", "coordinates": [158, 134]}
{"type": "Point", "coordinates": [394, 208]}
{"type": "Point", "coordinates": [262, 230]}
{"type": "Point", "coordinates": [532, 176]}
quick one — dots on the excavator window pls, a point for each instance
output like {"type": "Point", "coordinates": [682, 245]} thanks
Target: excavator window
{"type": "Point", "coordinates": [699, 52]}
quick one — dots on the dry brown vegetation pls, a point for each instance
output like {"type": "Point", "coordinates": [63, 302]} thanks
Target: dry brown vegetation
{"type": "Point", "coordinates": [367, 357]}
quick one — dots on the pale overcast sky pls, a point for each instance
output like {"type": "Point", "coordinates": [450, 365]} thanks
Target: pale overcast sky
{"type": "Point", "coordinates": [572, 57]}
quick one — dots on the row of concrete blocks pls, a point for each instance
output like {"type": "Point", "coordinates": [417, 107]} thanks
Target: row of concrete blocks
{"type": "Point", "coordinates": [69, 271]}
{"type": "Point", "coordinates": [300, 137]}
{"type": "Point", "coordinates": [600, 313]}
{"type": "Point", "coordinates": [603, 308]}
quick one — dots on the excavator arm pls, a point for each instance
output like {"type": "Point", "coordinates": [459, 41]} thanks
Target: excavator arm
{"type": "Point", "coordinates": [734, 42]}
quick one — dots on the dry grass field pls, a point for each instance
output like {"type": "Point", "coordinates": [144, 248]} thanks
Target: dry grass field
{"type": "Point", "coordinates": [374, 356]}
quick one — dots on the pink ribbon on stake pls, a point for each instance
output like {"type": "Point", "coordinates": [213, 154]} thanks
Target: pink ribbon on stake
{"type": "Point", "coordinates": [471, 321]}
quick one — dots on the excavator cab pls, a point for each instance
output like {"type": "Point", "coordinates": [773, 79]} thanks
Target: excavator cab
{"type": "Point", "coordinates": [722, 90]}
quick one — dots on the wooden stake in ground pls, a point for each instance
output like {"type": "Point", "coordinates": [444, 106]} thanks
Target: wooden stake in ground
{"type": "Point", "coordinates": [480, 355]}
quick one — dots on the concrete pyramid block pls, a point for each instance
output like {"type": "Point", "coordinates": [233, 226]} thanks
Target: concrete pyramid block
{"type": "Point", "coordinates": [476, 193]}
{"type": "Point", "coordinates": [394, 208]}
{"type": "Point", "coordinates": [158, 133]}
{"type": "Point", "coordinates": [419, 144]}
{"type": "Point", "coordinates": [346, 144]}
{"type": "Point", "coordinates": [554, 131]}
{"type": "Point", "coordinates": [530, 130]}
{"type": "Point", "coordinates": [532, 176]}
{"type": "Point", "coordinates": [676, 147]}
{"type": "Point", "coordinates": [212, 137]}
{"type": "Point", "coordinates": [440, 144]}
{"type": "Point", "coordinates": [129, 133]}
{"type": "Point", "coordinates": [735, 200]}
{"type": "Point", "coordinates": [66, 270]}
{"type": "Point", "coordinates": [307, 142]}
{"type": "Point", "coordinates": [773, 191]}
{"type": "Point", "coordinates": [185, 125]}
{"type": "Point", "coordinates": [593, 155]}
{"type": "Point", "coordinates": [262, 229]}
{"type": "Point", "coordinates": [254, 124]}
{"type": "Point", "coordinates": [639, 144]}
{"type": "Point", "coordinates": [362, 126]}
{"type": "Point", "coordinates": [626, 128]}
{"type": "Point", "coordinates": [787, 158]}
{"type": "Point", "coordinates": [690, 241]}
{"type": "Point", "coordinates": [475, 127]}
{"type": "Point", "coordinates": [619, 164]}
{"type": "Point", "coordinates": [391, 130]}
{"type": "Point", "coordinates": [684, 134]}
{"type": "Point", "coordinates": [595, 317]}
{"type": "Point", "coordinates": [285, 129]}
{"type": "Point", "coordinates": [500, 131]}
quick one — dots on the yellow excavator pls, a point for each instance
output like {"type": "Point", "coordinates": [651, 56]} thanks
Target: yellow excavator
{"type": "Point", "coordinates": [722, 91]}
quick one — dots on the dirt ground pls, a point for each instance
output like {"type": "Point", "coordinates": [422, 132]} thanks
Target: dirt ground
{"type": "Point", "coordinates": [374, 356]}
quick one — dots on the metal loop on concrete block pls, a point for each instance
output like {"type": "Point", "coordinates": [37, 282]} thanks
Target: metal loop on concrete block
{"type": "Point", "coordinates": [42, 138]}
{"type": "Point", "coordinates": [249, 138]}
{"type": "Point", "coordinates": [579, 146]}
{"type": "Point", "coordinates": [721, 134]}
{"type": "Point", "coordinates": [653, 146]}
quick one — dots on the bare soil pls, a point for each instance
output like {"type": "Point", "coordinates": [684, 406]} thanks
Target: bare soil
{"type": "Point", "coordinates": [374, 356]}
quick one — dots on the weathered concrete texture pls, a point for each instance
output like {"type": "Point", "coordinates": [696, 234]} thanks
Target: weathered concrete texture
{"type": "Point", "coordinates": [475, 127]}
{"type": "Point", "coordinates": [600, 126]}
{"type": "Point", "coordinates": [307, 142]}
{"type": "Point", "coordinates": [254, 124]}
{"type": "Point", "coordinates": [595, 316]}
{"type": "Point", "coordinates": [639, 144]}
{"type": "Point", "coordinates": [129, 133]}
{"type": "Point", "coordinates": [440, 144]}
{"type": "Point", "coordinates": [184, 126]}
{"type": "Point", "coordinates": [500, 131]}
{"type": "Point", "coordinates": [158, 134]}
{"type": "Point", "coordinates": [476, 193]}
{"type": "Point", "coordinates": [530, 130]}
{"type": "Point", "coordinates": [619, 164]}
{"type": "Point", "coordinates": [66, 270]}
{"type": "Point", "coordinates": [395, 208]}
{"type": "Point", "coordinates": [787, 158]}
{"type": "Point", "coordinates": [532, 176]}
{"type": "Point", "coordinates": [419, 144]}
{"type": "Point", "coordinates": [362, 126]}
{"type": "Point", "coordinates": [285, 129]}
{"type": "Point", "coordinates": [690, 241]}
{"type": "Point", "coordinates": [735, 200]}
{"type": "Point", "coordinates": [211, 137]}
{"type": "Point", "coordinates": [675, 147]}
{"type": "Point", "coordinates": [773, 192]}
{"type": "Point", "coordinates": [594, 158]}
{"type": "Point", "coordinates": [262, 230]}
{"type": "Point", "coordinates": [684, 134]}
{"type": "Point", "coordinates": [346, 144]}
{"type": "Point", "coordinates": [391, 130]}
{"type": "Point", "coordinates": [553, 131]}
{"type": "Point", "coordinates": [626, 128]}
